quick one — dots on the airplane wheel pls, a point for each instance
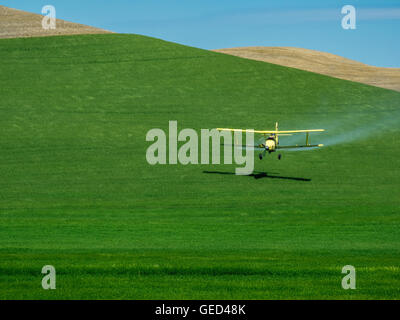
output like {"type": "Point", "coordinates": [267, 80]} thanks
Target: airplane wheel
{"type": "Point", "coordinates": [260, 156]}
{"type": "Point", "coordinates": [279, 156]}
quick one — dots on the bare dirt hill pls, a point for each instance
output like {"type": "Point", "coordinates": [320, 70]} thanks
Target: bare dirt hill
{"type": "Point", "coordinates": [323, 63]}
{"type": "Point", "coordinates": [16, 23]}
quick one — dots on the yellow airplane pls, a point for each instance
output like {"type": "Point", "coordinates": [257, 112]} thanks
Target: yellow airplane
{"type": "Point", "coordinates": [270, 141]}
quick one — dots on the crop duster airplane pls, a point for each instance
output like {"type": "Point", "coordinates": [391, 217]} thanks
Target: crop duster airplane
{"type": "Point", "coordinates": [270, 141]}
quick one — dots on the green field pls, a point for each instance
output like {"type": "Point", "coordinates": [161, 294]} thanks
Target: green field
{"type": "Point", "coordinates": [77, 193]}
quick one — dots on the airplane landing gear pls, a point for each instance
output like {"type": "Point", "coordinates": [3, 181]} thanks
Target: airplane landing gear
{"type": "Point", "coordinates": [260, 156]}
{"type": "Point", "coordinates": [279, 156]}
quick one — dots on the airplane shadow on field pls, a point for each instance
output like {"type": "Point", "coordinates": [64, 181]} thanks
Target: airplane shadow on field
{"type": "Point", "coordinates": [259, 175]}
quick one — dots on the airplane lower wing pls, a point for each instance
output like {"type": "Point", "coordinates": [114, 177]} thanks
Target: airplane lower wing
{"type": "Point", "coordinates": [300, 146]}
{"type": "Point", "coordinates": [281, 148]}
{"type": "Point", "coordinates": [244, 147]}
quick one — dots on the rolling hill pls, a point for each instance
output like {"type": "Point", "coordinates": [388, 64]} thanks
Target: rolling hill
{"type": "Point", "coordinates": [323, 63]}
{"type": "Point", "coordinates": [17, 23]}
{"type": "Point", "coordinates": [77, 192]}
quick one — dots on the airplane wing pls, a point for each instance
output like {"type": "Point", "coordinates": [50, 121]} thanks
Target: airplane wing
{"type": "Point", "coordinates": [300, 146]}
{"type": "Point", "coordinates": [272, 131]}
{"type": "Point", "coordinates": [256, 147]}
{"type": "Point", "coordinates": [244, 146]}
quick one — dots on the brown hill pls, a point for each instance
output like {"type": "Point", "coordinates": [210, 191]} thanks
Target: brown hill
{"type": "Point", "coordinates": [16, 23]}
{"type": "Point", "coordinates": [321, 62]}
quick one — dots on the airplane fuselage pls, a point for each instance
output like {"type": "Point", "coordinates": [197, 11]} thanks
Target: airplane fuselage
{"type": "Point", "coordinates": [269, 144]}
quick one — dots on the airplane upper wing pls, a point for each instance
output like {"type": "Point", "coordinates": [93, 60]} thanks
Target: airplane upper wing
{"type": "Point", "coordinates": [271, 132]}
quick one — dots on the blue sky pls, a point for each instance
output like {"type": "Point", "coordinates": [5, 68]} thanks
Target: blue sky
{"type": "Point", "coordinates": [212, 24]}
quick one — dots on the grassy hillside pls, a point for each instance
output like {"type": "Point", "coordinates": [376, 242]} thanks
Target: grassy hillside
{"type": "Point", "coordinates": [77, 193]}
